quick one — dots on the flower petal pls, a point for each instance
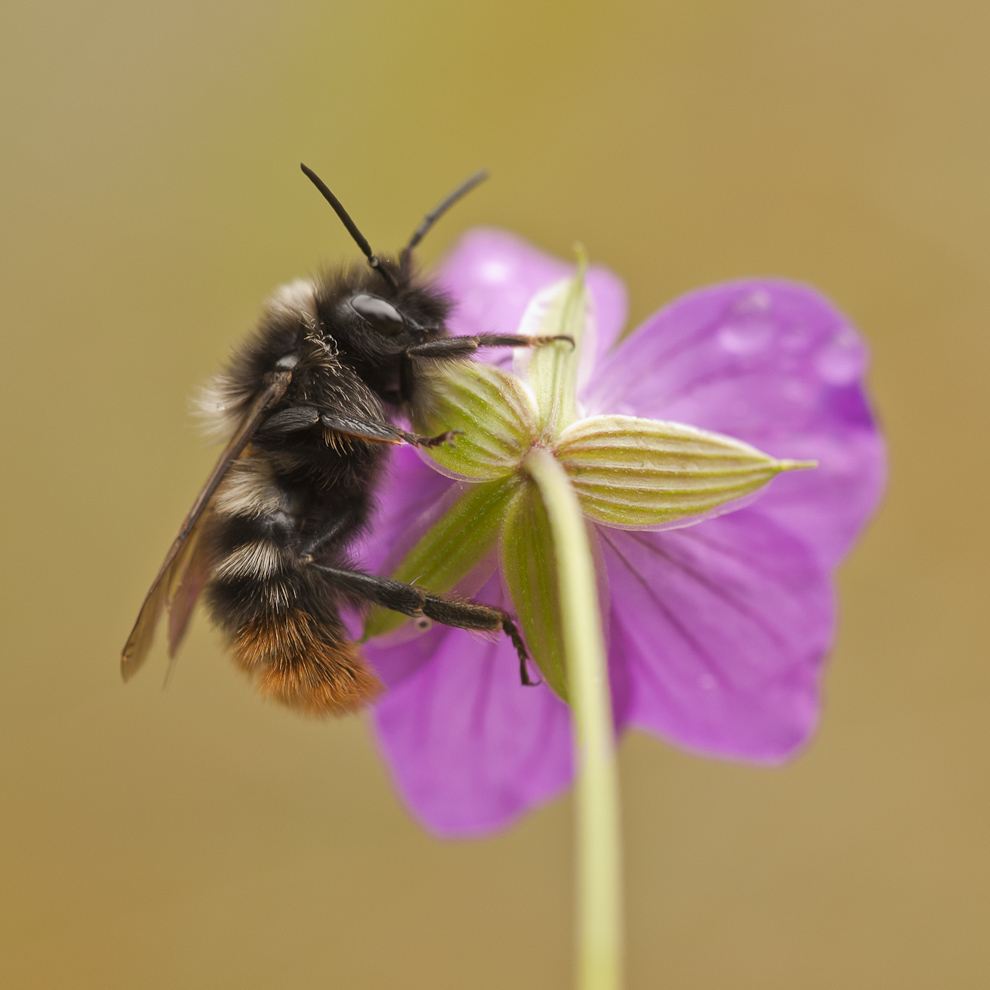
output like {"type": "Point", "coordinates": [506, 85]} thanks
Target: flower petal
{"type": "Point", "coordinates": [722, 628]}
{"type": "Point", "coordinates": [772, 363]}
{"type": "Point", "coordinates": [470, 748]}
{"type": "Point", "coordinates": [410, 498]}
{"type": "Point", "coordinates": [493, 274]}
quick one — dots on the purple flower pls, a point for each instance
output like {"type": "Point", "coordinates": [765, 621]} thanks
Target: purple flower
{"type": "Point", "coordinates": [716, 631]}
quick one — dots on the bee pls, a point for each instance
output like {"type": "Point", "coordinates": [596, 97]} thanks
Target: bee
{"type": "Point", "coordinates": [311, 404]}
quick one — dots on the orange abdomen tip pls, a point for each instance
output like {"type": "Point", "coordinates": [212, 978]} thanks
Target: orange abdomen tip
{"type": "Point", "coordinates": [294, 660]}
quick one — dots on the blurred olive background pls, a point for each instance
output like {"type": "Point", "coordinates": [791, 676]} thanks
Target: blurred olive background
{"type": "Point", "coordinates": [151, 198]}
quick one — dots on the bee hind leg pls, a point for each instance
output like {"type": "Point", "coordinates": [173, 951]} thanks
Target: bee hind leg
{"type": "Point", "coordinates": [459, 613]}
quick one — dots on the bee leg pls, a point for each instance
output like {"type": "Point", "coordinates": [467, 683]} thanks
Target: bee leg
{"type": "Point", "coordinates": [295, 419]}
{"type": "Point", "coordinates": [510, 629]}
{"type": "Point", "coordinates": [409, 600]}
{"type": "Point", "coordinates": [396, 595]}
{"type": "Point", "coordinates": [457, 347]}
{"type": "Point", "coordinates": [469, 614]}
{"type": "Point", "coordinates": [369, 430]}
{"type": "Point", "coordinates": [521, 340]}
{"type": "Point", "coordinates": [288, 421]}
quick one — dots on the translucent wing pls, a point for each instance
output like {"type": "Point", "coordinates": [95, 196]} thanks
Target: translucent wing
{"type": "Point", "coordinates": [189, 574]}
{"type": "Point", "coordinates": [183, 572]}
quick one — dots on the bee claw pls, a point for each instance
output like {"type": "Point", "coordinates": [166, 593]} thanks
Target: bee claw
{"type": "Point", "coordinates": [542, 341]}
{"type": "Point", "coordinates": [440, 438]}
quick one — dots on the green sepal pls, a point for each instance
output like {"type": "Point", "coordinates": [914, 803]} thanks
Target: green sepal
{"type": "Point", "coordinates": [529, 568]}
{"type": "Point", "coordinates": [635, 473]}
{"type": "Point", "coordinates": [456, 543]}
{"type": "Point", "coordinates": [562, 309]}
{"type": "Point", "coordinates": [494, 412]}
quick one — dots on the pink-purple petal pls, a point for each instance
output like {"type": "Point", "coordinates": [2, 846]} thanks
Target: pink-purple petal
{"type": "Point", "coordinates": [716, 632]}
{"type": "Point", "coordinates": [409, 498]}
{"type": "Point", "coordinates": [775, 364]}
{"type": "Point", "coordinates": [722, 628]}
{"type": "Point", "coordinates": [469, 747]}
{"type": "Point", "coordinates": [492, 275]}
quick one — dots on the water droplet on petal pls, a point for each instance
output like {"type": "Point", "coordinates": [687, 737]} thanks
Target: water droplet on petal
{"type": "Point", "coordinates": [842, 360]}
{"type": "Point", "coordinates": [758, 301]}
{"type": "Point", "coordinates": [495, 272]}
{"type": "Point", "coordinates": [747, 337]}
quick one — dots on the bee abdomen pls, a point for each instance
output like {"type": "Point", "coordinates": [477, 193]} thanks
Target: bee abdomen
{"type": "Point", "coordinates": [283, 628]}
{"type": "Point", "coordinates": [306, 664]}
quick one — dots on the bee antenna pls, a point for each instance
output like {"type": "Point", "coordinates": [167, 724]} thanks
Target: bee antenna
{"type": "Point", "coordinates": [439, 210]}
{"type": "Point", "coordinates": [352, 229]}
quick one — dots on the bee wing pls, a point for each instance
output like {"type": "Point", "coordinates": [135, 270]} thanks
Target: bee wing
{"type": "Point", "coordinates": [190, 573]}
{"type": "Point", "coordinates": [182, 573]}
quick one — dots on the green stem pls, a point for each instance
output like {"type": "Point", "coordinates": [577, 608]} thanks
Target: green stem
{"type": "Point", "coordinates": [599, 866]}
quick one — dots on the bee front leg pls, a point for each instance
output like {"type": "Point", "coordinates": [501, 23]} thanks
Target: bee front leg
{"type": "Point", "coordinates": [460, 613]}
{"type": "Point", "coordinates": [458, 347]}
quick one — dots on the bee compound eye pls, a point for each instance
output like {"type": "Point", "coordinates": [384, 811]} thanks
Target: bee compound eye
{"type": "Point", "coordinates": [380, 314]}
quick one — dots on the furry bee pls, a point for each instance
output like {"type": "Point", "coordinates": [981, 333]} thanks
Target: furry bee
{"type": "Point", "coordinates": [310, 404]}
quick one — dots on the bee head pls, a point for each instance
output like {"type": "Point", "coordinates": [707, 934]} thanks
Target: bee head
{"type": "Point", "coordinates": [374, 325]}
{"type": "Point", "coordinates": [377, 315]}
{"type": "Point", "coordinates": [394, 319]}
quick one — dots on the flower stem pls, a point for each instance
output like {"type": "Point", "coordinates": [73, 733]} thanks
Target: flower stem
{"type": "Point", "coordinates": [599, 867]}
